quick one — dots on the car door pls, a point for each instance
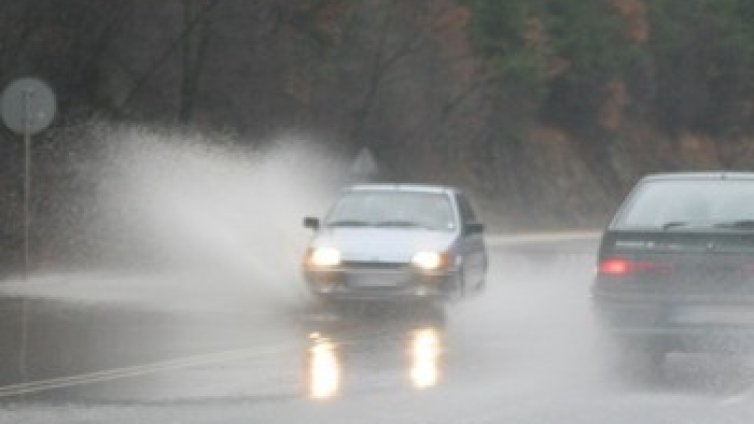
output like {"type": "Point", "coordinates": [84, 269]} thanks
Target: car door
{"type": "Point", "coordinates": [471, 245]}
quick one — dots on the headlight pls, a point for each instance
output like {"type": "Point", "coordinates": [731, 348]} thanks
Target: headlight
{"type": "Point", "coordinates": [428, 261]}
{"type": "Point", "coordinates": [325, 257]}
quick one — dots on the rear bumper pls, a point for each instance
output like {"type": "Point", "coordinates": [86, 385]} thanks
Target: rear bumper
{"type": "Point", "coordinates": [380, 285]}
{"type": "Point", "coordinates": [678, 325]}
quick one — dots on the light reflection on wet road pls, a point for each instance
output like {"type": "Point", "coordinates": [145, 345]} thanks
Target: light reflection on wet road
{"type": "Point", "coordinates": [524, 351]}
{"type": "Point", "coordinates": [398, 346]}
{"type": "Point", "coordinates": [108, 353]}
{"type": "Point", "coordinates": [323, 368]}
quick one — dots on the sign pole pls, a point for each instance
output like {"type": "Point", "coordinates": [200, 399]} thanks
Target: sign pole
{"type": "Point", "coordinates": [27, 106]}
{"type": "Point", "coordinates": [27, 98]}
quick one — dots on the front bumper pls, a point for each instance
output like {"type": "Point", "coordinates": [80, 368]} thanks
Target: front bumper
{"type": "Point", "coordinates": [375, 283]}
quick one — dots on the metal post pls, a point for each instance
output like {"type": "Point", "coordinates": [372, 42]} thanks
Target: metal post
{"type": "Point", "coordinates": [28, 94]}
{"type": "Point", "coordinates": [27, 106]}
{"type": "Point", "coordinates": [23, 348]}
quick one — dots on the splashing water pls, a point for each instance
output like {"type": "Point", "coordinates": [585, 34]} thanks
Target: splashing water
{"type": "Point", "coordinates": [208, 211]}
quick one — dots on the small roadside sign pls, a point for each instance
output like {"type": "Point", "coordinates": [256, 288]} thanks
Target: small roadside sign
{"type": "Point", "coordinates": [28, 105]}
{"type": "Point", "coordinates": [364, 166]}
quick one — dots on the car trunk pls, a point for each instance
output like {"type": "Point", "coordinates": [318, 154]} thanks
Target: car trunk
{"type": "Point", "coordinates": [687, 266]}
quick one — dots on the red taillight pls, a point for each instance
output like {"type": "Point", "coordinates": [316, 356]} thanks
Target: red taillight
{"type": "Point", "coordinates": [618, 267]}
{"type": "Point", "coordinates": [615, 266]}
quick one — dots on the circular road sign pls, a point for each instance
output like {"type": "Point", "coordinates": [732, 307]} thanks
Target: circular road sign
{"type": "Point", "coordinates": [28, 104]}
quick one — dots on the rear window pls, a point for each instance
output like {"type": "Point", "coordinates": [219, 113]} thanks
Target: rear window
{"type": "Point", "coordinates": [656, 204]}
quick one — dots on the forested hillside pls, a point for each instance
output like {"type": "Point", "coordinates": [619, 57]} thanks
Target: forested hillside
{"type": "Point", "coordinates": [547, 110]}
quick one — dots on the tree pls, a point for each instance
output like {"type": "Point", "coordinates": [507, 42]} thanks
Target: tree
{"type": "Point", "coordinates": [194, 43]}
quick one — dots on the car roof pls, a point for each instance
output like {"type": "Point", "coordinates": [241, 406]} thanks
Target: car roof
{"type": "Point", "coordinates": [705, 175]}
{"type": "Point", "coordinates": [416, 188]}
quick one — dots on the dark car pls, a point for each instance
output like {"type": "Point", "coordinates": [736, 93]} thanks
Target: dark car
{"type": "Point", "coordinates": [396, 241]}
{"type": "Point", "coordinates": [676, 266]}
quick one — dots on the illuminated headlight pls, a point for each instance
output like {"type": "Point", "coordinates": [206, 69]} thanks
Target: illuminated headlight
{"type": "Point", "coordinates": [325, 257]}
{"type": "Point", "coordinates": [428, 261]}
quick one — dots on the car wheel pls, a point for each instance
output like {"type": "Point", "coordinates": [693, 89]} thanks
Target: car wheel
{"type": "Point", "coordinates": [459, 291]}
{"type": "Point", "coordinates": [481, 285]}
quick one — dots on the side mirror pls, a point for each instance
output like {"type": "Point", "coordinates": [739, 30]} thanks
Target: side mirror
{"type": "Point", "coordinates": [474, 228]}
{"type": "Point", "coordinates": [311, 222]}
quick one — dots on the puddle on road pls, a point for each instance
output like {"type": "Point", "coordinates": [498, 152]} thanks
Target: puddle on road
{"type": "Point", "coordinates": [65, 338]}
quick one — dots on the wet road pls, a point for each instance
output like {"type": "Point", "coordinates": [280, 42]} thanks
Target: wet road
{"type": "Point", "coordinates": [525, 351]}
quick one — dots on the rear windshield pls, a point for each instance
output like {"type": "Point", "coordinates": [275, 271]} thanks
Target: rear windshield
{"type": "Point", "coordinates": [393, 209]}
{"type": "Point", "coordinates": [659, 204]}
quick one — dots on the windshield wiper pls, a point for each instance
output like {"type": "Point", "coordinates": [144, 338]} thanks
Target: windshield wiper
{"type": "Point", "coordinates": [348, 223]}
{"type": "Point", "coordinates": [741, 223]}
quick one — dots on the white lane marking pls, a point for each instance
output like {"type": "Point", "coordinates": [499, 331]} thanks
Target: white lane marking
{"type": "Point", "coordinates": [531, 238]}
{"type": "Point", "coordinates": [133, 371]}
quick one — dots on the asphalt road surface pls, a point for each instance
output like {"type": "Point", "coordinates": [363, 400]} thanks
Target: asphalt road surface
{"type": "Point", "coordinates": [88, 349]}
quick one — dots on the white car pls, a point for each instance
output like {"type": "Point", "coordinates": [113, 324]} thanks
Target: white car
{"type": "Point", "coordinates": [396, 241]}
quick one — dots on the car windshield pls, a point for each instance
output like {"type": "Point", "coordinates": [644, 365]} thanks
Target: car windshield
{"type": "Point", "coordinates": [675, 204]}
{"type": "Point", "coordinates": [393, 209]}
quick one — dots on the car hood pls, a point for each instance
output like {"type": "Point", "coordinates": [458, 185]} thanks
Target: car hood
{"type": "Point", "coordinates": [383, 244]}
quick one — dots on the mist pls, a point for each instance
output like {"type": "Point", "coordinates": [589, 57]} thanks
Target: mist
{"type": "Point", "coordinates": [207, 211]}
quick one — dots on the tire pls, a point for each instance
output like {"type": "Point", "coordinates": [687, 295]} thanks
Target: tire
{"type": "Point", "coordinates": [459, 291]}
{"type": "Point", "coordinates": [481, 286]}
